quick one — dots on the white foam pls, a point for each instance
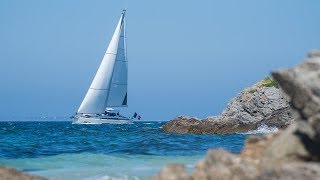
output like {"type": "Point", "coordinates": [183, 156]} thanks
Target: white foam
{"type": "Point", "coordinates": [115, 177]}
{"type": "Point", "coordinates": [263, 129]}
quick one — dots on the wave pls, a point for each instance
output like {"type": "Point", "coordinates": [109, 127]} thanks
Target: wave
{"type": "Point", "coordinates": [263, 129]}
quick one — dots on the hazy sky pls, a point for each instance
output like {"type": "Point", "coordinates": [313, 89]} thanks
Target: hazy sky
{"type": "Point", "coordinates": [185, 57]}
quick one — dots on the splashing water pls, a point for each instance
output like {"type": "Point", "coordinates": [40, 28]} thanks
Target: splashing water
{"type": "Point", "coordinates": [263, 129]}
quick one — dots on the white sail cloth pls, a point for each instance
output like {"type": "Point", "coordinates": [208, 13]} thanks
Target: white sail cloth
{"type": "Point", "coordinates": [109, 86]}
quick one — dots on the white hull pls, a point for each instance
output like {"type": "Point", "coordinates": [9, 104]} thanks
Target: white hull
{"type": "Point", "coordinates": [97, 120]}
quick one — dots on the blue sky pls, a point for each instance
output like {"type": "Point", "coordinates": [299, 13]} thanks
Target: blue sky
{"type": "Point", "coordinates": [185, 57]}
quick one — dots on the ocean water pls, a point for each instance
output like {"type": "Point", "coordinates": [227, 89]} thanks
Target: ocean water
{"type": "Point", "coordinates": [61, 150]}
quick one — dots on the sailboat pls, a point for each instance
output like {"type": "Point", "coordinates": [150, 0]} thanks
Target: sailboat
{"type": "Point", "coordinates": [109, 86]}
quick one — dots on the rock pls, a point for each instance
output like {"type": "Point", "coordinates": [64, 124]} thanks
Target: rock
{"type": "Point", "coordinates": [260, 105]}
{"type": "Point", "coordinates": [12, 174]}
{"type": "Point", "coordinates": [220, 164]}
{"type": "Point", "coordinates": [263, 103]}
{"type": "Point", "coordinates": [184, 124]}
{"type": "Point", "coordinates": [293, 153]}
{"type": "Point", "coordinates": [297, 83]}
{"type": "Point", "coordinates": [173, 172]}
{"type": "Point", "coordinates": [291, 171]}
{"type": "Point", "coordinates": [302, 84]}
{"type": "Point", "coordinates": [286, 147]}
{"type": "Point", "coordinates": [256, 145]}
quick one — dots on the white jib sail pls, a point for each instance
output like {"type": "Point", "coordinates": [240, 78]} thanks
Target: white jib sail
{"type": "Point", "coordinates": [109, 86]}
{"type": "Point", "coordinates": [118, 89]}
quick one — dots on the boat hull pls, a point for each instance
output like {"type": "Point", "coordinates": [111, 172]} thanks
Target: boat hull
{"type": "Point", "coordinates": [97, 120]}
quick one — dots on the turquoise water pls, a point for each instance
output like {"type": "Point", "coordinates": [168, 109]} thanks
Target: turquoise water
{"type": "Point", "coordinates": [61, 150]}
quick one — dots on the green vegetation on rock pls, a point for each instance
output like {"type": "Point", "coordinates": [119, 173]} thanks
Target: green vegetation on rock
{"type": "Point", "coordinates": [269, 82]}
{"type": "Point", "coordinates": [253, 91]}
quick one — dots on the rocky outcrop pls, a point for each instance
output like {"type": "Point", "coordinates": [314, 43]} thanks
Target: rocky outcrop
{"type": "Point", "coordinates": [12, 174]}
{"type": "Point", "coordinates": [293, 153]}
{"type": "Point", "coordinates": [263, 103]}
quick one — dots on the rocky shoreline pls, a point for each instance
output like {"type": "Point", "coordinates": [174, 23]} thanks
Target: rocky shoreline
{"type": "Point", "coordinates": [293, 153]}
{"type": "Point", "coordinates": [262, 104]}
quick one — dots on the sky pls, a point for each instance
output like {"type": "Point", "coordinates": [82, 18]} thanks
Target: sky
{"type": "Point", "coordinates": [185, 57]}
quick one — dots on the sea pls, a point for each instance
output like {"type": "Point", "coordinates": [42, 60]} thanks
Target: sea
{"type": "Point", "coordinates": [62, 150]}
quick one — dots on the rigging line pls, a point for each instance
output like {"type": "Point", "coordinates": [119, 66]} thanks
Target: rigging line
{"type": "Point", "coordinates": [125, 4]}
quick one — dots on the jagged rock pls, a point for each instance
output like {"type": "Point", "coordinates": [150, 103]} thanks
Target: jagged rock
{"type": "Point", "coordinates": [12, 174]}
{"type": "Point", "coordinates": [253, 107]}
{"type": "Point", "coordinates": [293, 153]}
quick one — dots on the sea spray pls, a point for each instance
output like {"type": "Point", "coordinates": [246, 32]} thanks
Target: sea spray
{"type": "Point", "coordinates": [263, 129]}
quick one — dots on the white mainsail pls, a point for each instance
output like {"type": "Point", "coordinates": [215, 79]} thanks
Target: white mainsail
{"type": "Point", "coordinates": [109, 86]}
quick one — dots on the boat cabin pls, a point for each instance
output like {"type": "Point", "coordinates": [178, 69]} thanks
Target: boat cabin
{"type": "Point", "coordinates": [111, 112]}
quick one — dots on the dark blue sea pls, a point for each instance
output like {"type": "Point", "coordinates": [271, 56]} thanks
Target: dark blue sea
{"type": "Point", "coordinates": [62, 150]}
